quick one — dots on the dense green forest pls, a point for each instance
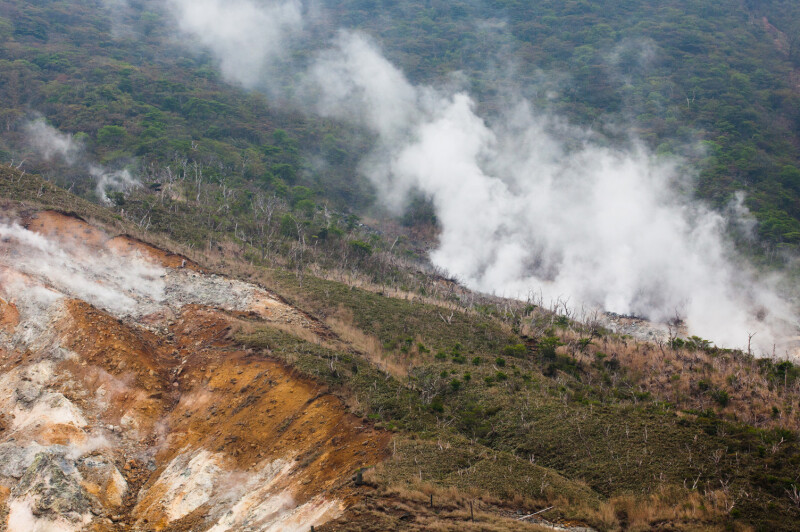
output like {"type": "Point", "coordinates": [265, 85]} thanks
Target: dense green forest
{"type": "Point", "coordinates": [717, 82]}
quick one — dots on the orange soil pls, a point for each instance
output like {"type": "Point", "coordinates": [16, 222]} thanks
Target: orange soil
{"type": "Point", "coordinates": [204, 392]}
{"type": "Point", "coordinates": [71, 230]}
{"type": "Point", "coordinates": [189, 387]}
{"type": "Point", "coordinates": [9, 316]}
{"type": "Point", "coordinates": [68, 230]}
{"type": "Point", "coordinates": [125, 245]}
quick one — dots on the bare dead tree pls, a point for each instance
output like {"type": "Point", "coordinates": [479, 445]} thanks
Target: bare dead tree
{"type": "Point", "coordinates": [749, 339]}
{"type": "Point", "coordinates": [794, 495]}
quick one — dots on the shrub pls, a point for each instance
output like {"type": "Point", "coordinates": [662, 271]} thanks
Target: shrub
{"type": "Point", "coordinates": [477, 361]}
{"type": "Point", "coordinates": [517, 350]}
{"type": "Point", "coordinates": [455, 385]}
{"type": "Point", "coordinates": [500, 361]}
{"type": "Point", "coordinates": [306, 207]}
{"type": "Point", "coordinates": [721, 397]}
{"type": "Point", "coordinates": [111, 135]}
{"type": "Point", "coordinates": [361, 248]}
{"type": "Point", "coordinates": [288, 226]}
{"type": "Point", "coordinates": [437, 405]}
{"type": "Point", "coordinates": [548, 346]}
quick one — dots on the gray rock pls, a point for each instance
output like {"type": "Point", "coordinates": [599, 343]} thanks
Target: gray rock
{"type": "Point", "coordinates": [53, 491]}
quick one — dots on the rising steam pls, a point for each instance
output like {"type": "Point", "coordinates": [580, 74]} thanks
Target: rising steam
{"type": "Point", "coordinates": [99, 278]}
{"type": "Point", "coordinates": [245, 36]}
{"type": "Point", "coordinates": [530, 203]}
{"type": "Point", "coordinates": [526, 202]}
{"type": "Point", "coordinates": [51, 144]}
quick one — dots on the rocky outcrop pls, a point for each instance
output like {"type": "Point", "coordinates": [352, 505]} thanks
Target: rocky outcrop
{"type": "Point", "coordinates": [126, 406]}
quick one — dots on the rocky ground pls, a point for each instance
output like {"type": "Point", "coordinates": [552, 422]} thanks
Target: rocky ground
{"type": "Point", "coordinates": [125, 405]}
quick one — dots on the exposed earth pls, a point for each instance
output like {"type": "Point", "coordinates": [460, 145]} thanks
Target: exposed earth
{"type": "Point", "coordinates": [126, 405]}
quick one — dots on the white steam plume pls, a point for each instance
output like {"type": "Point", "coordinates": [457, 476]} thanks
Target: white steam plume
{"type": "Point", "coordinates": [246, 36]}
{"type": "Point", "coordinates": [102, 279]}
{"type": "Point", "coordinates": [51, 143]}
{"type": "Point", "coordinates": [117, 181]}
{"type": "Point", "coordinates": [522, 211]}
{"type": "Point", "coordinates": [531, 204]}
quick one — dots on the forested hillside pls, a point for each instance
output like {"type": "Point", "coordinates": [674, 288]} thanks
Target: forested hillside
{"type": "Point", "coordinates": [714, 81]}
{"type": "Point", "coordinates": [721, 78]}
{"type": "Point", "coordinates": [133, 97]}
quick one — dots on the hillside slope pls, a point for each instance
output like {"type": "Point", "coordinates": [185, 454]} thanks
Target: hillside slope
{"type": "Point", "coordinates": [138, 381]}
{"type": "Point", "coordinates": [716, 82]}
{"type": "Point", "coordinates": [127, 405]}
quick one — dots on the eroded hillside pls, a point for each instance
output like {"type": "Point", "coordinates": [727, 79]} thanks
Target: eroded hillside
{"type": "Point", "coordinates": [142, 391]}
{"type": "Point", "coordinates": [126, 404]}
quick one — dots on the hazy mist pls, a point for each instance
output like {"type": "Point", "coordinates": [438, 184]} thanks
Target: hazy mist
{"type": "Point", "coordinates": [527, 203]}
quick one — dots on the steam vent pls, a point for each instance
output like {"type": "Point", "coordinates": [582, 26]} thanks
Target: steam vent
{"type": "Point", "coordinates": [126, 405]}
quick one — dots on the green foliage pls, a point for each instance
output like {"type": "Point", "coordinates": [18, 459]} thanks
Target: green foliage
{"type": "Point", "coordinates": [548, 346]}
{"type": "Point", "coordinates": [721, 397]}
{"type": "Point", "coordinates": [6, 29]}
{"type": "Point", "coordinates": [678, 71]}
{"type": "Point", "coordinates": [437, 405]}
{"type": "Point", "coordinates": [111, 135]}
{"type": "Point", "coordinates": [516, 350]}
{"type": "Point", "coordinates": [361, 248]}
{"type": "Point", "coordinates": [288, 226]}
{"type": "Point", "coordinates": [419, 212]}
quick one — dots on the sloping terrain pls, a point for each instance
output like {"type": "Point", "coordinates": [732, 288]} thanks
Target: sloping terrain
{"type": "Point", "coordinates": [142, 390]}
{"type": "Point", "coordinates": [126, 405]}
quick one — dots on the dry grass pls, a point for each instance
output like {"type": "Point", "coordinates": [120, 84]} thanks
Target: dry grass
{"type": "Point", "coordinates": [451, 510]}
{"type": "Point", "coordinates": [668, 504]}
{"type": "Point", "coordinates": [396, 364]}
{"type": "Point", "coordinates": [666, 508]}
{"type": "Point", "coordinates": [689, 378]}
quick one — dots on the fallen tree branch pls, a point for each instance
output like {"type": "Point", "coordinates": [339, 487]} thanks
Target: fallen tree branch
{"type": "Point", "coordinates": [535, 513]}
